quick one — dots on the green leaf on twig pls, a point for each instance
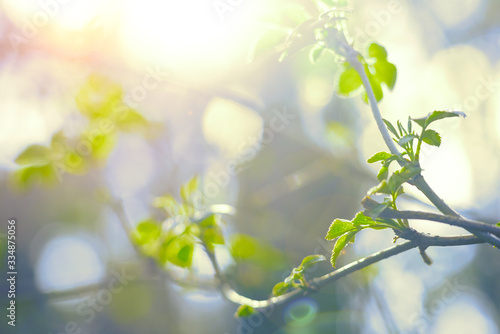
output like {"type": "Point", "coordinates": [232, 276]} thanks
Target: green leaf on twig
{"type": "Point", "coordinates": [188, 189]}
{"type": "Point", "coordinates": [281, 288]}
{"type": "Point", "coordinates": [435, 116]}
{"type": "Point", "coordinates": [391, 128]}
{"type": "Point", "coordinates": [311, 260]}
{"type": "Point", "coordinates": [146, 231]}
{"type": "Point", "coordinates": [244, 311]}
{"type": "Point", "coordinates": [379, 157]}
{"type": "Point", "coordinates": [431, 137]}
{"type": "Point", "coordinates": [406, 139]}
{"type": "Point", "coordinates": [338, 228]}
{"type": "Point", "coordinates": [34, 155]}
{"type": "Point", "coordinates": [349, 82]}
{"type": "Point", "coordinates": [340, 245]}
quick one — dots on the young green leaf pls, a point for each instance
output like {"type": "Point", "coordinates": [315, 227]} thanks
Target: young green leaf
{"type": "Point", "coordinates": [102, 143]}
{"type": "Point", "coordinates": [377, 51]}
{"type": "Point", "coordinates": [244, 311]}
{"type": "Point", "coordinates": [311, 260]}
{"type": "Point", "coordinates": [401, 176]}
{"type": "Point", "coordinates": [431, 137]}
{"type": "Point", "coordinates": [379, 157]}
{"type": "Point", "coordinates": [243, 246]}
{"type": "Point", "coordinates": [383, 172]}
{"type": "Point", "coordinates": [435, 116]}
{"type": "Point", "coordinates": [360, 220]}
{"type": "Point", "coordinates": [34, 155]}
{"type": "Point", "coordinates": [211, 220]}
{"type": "Point", "coordinates": [98, 97]}
{"type": "Point", "coordinates": [43, 174]}
{"type": "Point", "coordinates": [281, 288]}
{"type": "Point", "coordinates": [390, 223]}
{"type": "Point", "coordinates": [189, 188]}
{"type": "Point", "coordinates": [391, 128]}
{"type": "Point", "coordinates": [146, 231]}
{"type": "Point", "coordinates": [376, 88]}
{"type": "Point", "coordinates": [339, 227]}
{"type": "Point", "coordinates": [212, 236]}
{"type": "Point", "coordinates": [386, 73]}
{"type": "Point", "coordinates": [406, 139]}
{"type": "Point", "coordinates": [340, 244]}
{"type": "Point", "coordinates": [180, 251]}
{"type": "Point", "coordinates": [349, 82]}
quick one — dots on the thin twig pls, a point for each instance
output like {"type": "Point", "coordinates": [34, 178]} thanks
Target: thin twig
{"type": "Point", "coordinates": [356, 64]}
{"type": "Point", "coordinates": [420, 215]}
{"type": "Point", "coordinates": [423, 241]}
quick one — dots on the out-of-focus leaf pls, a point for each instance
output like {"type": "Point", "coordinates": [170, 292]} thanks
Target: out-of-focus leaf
{"type": "Point", "coordinates": [101, 143]}
{"type": "Point", "coordinates": [167, 202]}
{"type": "Point", "coordinates": [243, 246]}
{"type": "Point", "coordinates": [246, 248]}
{"type": "Point", "coordinates": [36, 174]}
{"type": "Point", "coordinates": [98, 97]}
{"type": "Point", "coordinates": [281, 288]}
{"type": "Point", "coordinates": [74, 163]}
{"type": "Point", "coordinates": [349, 82]}
{"type": "Point", "coordinates": [188, 189]}
{"type": "Point", "coordinates": [34, 155]}
{"type": "Point", "coordinates": [386, 72]}
{"type": "Point", "coordinates": [212, 236]}
{"type": "Point", "coordinates": [146, 231]}
{"type": "Point", "coordinates": [244, 311]}
{"type": "Point", "coordinates": [377, 51]}
{"type": "Point", "coordinates": [180, 251]}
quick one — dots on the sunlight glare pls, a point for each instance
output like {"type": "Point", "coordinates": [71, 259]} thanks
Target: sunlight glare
{"type": "Point", "coordinates": [232, 127]}
{"type": "Point", "coordinates": [67, 262]}
{"type": "Point", "coordinates": [189, 36]}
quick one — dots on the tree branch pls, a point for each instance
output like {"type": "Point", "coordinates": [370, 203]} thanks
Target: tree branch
{"type": "Point", "coordinates": [488, 232]}
{"type": "Point", "coordinates": [352, 58]}
{"type": "Point", "coordinates": [422, 185]}
{"type": "Point", "coordinates": [423, 241]}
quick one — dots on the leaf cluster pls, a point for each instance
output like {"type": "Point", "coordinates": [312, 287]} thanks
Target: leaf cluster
{"type": "Point", "coordinates": [100, 101]}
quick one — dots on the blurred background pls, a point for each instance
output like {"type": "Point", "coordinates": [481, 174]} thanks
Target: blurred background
{"type": "Point", "coordinates": [299, 151]}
